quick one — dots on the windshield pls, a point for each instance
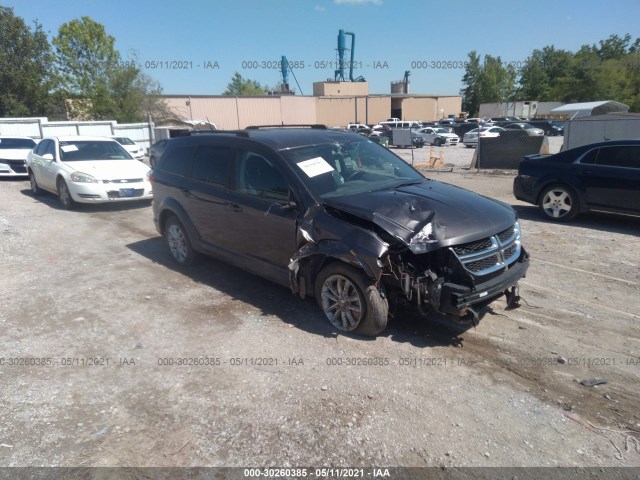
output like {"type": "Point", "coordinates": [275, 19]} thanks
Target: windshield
{"type": "Point", "coordinates": [442, 130]}
{"type": "Point", "coordinates": [10, 143]}
{"type": "Point", "coordinates": [79, 150]}
{"type": "Point", "coordinates": [124, 140]}
{"type": "Point", "coordinates": [349, 168]}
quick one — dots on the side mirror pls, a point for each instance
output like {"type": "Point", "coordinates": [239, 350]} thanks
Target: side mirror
{"type": "Point", "coordinates": [48, 156]}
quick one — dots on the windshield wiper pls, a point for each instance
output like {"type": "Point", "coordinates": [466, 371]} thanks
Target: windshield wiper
{"type": "Point", "coordinates": [409, 182]}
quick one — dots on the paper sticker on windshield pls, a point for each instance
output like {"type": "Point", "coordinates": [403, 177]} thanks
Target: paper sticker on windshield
{"type": "Point", "coordinates": [68, 148]}
{"type": "Point", "coordinates": [315, 166]}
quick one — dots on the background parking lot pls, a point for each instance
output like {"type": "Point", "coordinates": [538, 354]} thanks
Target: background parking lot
{"type": "Point", "coordinates": [113, 356]}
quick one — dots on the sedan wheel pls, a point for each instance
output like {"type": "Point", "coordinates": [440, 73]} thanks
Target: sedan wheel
{"type": "Point", "coordinates": [559, 203]}
{"type": "Point", "coordinates": [35, 189]}
{"type": "Point", "coordinates": [64, 195]}
{"type": "Point", "coordinates": [350, 301]}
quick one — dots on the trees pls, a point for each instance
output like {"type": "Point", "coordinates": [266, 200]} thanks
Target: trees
{"type": "Point", "coordinates": [608, 70]}
{"type": "Point", "coordinates": [489, 81]}
{"type": "Point", "coordinates": [100, 83]}
{"type": "Point", "coordinates": [25, 67]}
{"type": "Point", "coordinates": [241, 86]}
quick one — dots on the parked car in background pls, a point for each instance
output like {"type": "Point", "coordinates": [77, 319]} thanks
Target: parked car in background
{"type": "Point", "coordinates": [87, 170]}
{"type": "Point", "coordinates": [505, 119]}
{"type": "Point", "coordinates": [359, 128]}
{"type": "Point", "coordinates": [13, 155]}
{"type": "Point", "coordinates": [557, 127]}
{"type": "Point", "coordinates": [525, 127]}
{"type": "Point", "coordinates": [597, 177]}
{"type": "Point", "coordinates": [132, 147]}
{"type": "Point", "coordinates": [155, 152]}
{"type": "Point", "coordinates": [331, 215]}
{"type": "Point", "coordinates": [438, 136]}
{"type": "Point", "coordinates": [470, 138]}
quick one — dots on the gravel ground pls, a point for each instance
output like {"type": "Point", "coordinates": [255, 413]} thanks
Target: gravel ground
{"type": "Point", "coordinates": [93, 295]}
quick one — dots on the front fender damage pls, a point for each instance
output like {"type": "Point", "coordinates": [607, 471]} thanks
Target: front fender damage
{"type": "Point", "coordinates": [322, 236]}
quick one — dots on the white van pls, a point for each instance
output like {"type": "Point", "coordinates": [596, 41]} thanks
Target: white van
{"type": "Point", "coordinates": [406, 124]}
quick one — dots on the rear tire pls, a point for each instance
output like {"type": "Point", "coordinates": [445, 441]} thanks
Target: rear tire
{"type": "Point", "coordinates": [179, 243]}
{"type": "Point", "coordinates": [350, 300]}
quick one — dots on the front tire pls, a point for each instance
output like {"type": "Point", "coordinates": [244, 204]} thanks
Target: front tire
{"type": "Point", "coordinates": [35, 188]}
{"type": "Point", "coordinates": [179, 243]}
{"type": "Point", "coordinates": [559, 203]}
{"type": "Point", "coordinates": [64, 195]}
{"type": "Point", "coordinates": [350, 300]}
{"type": "Point", "coordinates": [437, 142]}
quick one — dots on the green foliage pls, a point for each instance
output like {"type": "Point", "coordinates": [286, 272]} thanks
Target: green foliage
{"type": "Point", "coordinates": [486, 82]}
{"type": "Point", "coordinates": [25, 67]}
{"type": "Point", "coordinates": [240, 86]}
{"type": "Point", "coordinates": [102, 85]}
{"type": "Point", "coordinates": [609, 70]}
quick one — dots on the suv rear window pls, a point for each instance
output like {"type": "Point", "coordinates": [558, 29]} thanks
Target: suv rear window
{"type": "Point", "coordinates": [178, 160]}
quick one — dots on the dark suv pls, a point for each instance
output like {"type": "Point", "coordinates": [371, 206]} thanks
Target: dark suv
{"type": "Point", "coordinates": [333, 215]}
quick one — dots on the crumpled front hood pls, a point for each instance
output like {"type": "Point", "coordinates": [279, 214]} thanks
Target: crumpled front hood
{"type": "Point", "coordinates": [429, 215]}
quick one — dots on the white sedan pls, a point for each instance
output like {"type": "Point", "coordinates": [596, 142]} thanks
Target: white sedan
{"type": "Point", "coordinates": [438, 136]}
{"type": "Point", "coordinates": [132, 147]}
{"type": "Point", "coordinates": [470, 138]}
{"type": "Point", "coordinates": [13, 155]}
{"type": "Point", "coordinates": [87, 170]}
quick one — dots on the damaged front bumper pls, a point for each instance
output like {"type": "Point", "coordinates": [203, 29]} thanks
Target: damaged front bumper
{"type": "Point", "coordinates": [463, 299]}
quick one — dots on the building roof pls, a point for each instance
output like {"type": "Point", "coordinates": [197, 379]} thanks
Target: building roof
{"type": "Point", "coordinates": [587, 109]}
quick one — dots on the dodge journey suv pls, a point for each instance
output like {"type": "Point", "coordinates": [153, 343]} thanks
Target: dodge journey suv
{"type": "Point", "coordinates": [335, 216]}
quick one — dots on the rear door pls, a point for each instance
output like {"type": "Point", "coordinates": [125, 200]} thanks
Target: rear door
{"type": "Point", "coordinates": [611, 178]}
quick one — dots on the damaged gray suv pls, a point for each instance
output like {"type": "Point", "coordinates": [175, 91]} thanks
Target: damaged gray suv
{"type": "Point", "coordinates": [335, 216]}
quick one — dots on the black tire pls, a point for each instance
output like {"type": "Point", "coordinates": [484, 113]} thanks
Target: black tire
{"type": "Point", "coordinates": [362, 308]}
{"type": "Point", "coordinates": [179, 242]}
{"type": "Point", "coordinates": [437, 142]}
{"type": "Point", "coordinates": [35, 188]}
{"type": "Point", "coordinates": [64, 195]}
{"type": "Point", "coordinates": [558, 203]}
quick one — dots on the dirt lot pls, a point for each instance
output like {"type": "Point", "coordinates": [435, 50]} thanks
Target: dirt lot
{"type": "Point", "coordinates": [94, 296]}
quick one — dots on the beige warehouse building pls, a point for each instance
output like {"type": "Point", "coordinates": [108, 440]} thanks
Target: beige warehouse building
{"type": "Point", "coordinates": [334, 104]}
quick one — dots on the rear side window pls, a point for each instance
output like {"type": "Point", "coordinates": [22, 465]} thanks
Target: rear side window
{"type": "Point", "coordinates": [42, 147]}
{"type": "Point", "coordinates": [178, 160]}
{"type": "Point", "coordinates": [213, 164]}
{"type": "Point", "coordinates": [623, 156]}
{"type": "Point", "coordinates": [590, 157]}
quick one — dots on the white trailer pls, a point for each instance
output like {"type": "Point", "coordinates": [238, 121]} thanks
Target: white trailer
{"type": "Point", "coordinates": [601, 128]}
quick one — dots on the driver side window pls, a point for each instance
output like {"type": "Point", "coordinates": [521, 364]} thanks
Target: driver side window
{"type": "Point", "coordinates": [257, 175]}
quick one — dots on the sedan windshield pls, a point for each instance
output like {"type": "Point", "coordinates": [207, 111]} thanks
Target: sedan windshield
{"type": "Point", "coordinates": [11, 143]}
{"type": "Point", "coordinates": [348, 168]}
{"type": "Point", "coordinates": [79, 150]}
{"type": "Point", "coordinates": [124, 141]}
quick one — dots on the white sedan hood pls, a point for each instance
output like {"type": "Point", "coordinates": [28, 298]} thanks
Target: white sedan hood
{"type": "Point", "coordinates": [110, 169]}
{"type": "Point", "coordinates": [14, 153]}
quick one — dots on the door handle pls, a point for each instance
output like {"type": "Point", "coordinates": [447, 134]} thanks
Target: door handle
{"type": "Point", "coordinates": [236, 208]}
{"type": "Point", "coordinates": [186, 192]}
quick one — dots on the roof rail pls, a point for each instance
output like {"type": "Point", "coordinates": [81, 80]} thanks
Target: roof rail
{"type": "Point", "coordinates": [317, 126]}
{"type": "Point", "coordinates": [237, 133]}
